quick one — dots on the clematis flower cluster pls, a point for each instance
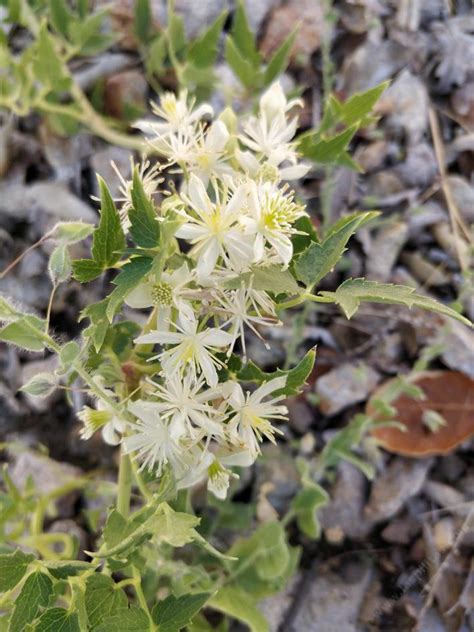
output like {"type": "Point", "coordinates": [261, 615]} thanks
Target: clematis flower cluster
{"type": "Point", "coordinates": [234, 214]}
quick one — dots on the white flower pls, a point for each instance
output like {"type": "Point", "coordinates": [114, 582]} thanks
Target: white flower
{"type": "Point", "coordinates": [170, 291]}
{"type": "Point", "coordinates": [103, 417]}
{"type": "Point", "coordinates": [186, 406]}
{"type": "Point", "coordinates": [177, 114]}
{"type": "Point", "coordinates": [214, 228]}
{"type": "Point", "coordinates": [207, 158]}
{"type": "Point", "coordinates": [251, 421]}
{"type": "Point", "coordinates": [272, 212]}
{"type": "Point", "coordinates": [192, 349]}
{"type": "Point", "coordinates": [243, 309]}
{"type": "Point", "coordinates": [151, 440]}
{"type": "Point", "coordinates": [269, 135]}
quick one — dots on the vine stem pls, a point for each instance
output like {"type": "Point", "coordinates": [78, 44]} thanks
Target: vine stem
{"type": "Point", "coordinates": [124, 484]}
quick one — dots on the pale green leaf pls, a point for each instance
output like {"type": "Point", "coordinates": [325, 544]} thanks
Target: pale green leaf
{"type": "Point", "coordinates": [58, 620]}
{"type": "Point", "coordinates": [12, 568]}
{"type": "Point", "coordinates": [40, 385]}
{"type": "Point", "coordinates": [270, 279]}
{"type": "Point", "coordinates": [7, 311]}
{"type": "Point", "coordinates": [59, 265]}
{"type": "Point", "coordinates": [235, 602]}
{"type": "Point", "coordinates": [174, 613]}
{"type": "Point", "coordinates": [27, 332]}
{"type": "Point", "coordinates": [72, 232]}
{"type": "Point", "coordinates": [34, 595]}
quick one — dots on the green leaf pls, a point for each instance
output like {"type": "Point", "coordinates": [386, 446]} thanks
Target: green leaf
{"type": "Point", "coordinates": [85, 270]}
{"type": "Point", "coordinates": [243, 37]}
{"type": "Point", "coordinates": [12, 568]}
{"type": "Point", "coordinates": [59, 265]}
{"type": "Point", "coordinates": [156, 57]}
{"type": "Point", "coordinates": [318, 260]}
{"type": "Point", "coordinates": [242, 68]}
{"type": "Point", "coordinates": [68, 355]}
{"type": "Point", "coordinates": [352, 292]}
{"type": "Point", "coordinates": [40, 385]}
{"type": "Point", "coordinates": [109, 240]}
{"type": "Point", "coordinates": [143, 20]}
{"type": "Point", "coordinates": [325, 150]}
{"type": "Point", "coordinates": [270, 279]}
{"type": "Point", "coordinates": [102, 598]}
{"type": "Point", "coordinates": [236, 602]}
{"type": "Point", "coordinates": [305, 505]}
{"type": "Point", "coordinates": [47, 64]}
{"type": "Point", "coordinates": [7, 311]}
{"type": "Point", "coordinates": [268, 548]}
{"type": "Point", "coordinates": [132, 619]}
{"type": "Point", "coordinates": [59, 16]}
{"type": "Point", "coordinates": [97, 313]}
{"type": "Point", "coordinates": [132, 273]}
{"type": "Point", "coordinates": [62, 569]}
{"type": "Point", "coordinates": [295, 379]}
{"type": "Point", "coordinates": [174, 613]}
{"type": "Point", "coordinates": [34, 595]}
{"type": "Point", "coordinates": [144, 228]}
{"type": "Point", "coordinates": [175, 33]}
{"type": "Point", "coordinates": [203, 51]}
{"type": "Point", "coordinates": [360, 104]}
{"type": "Point", "coordinates": [58, 620]}
{"type": "Point", "coordinates": [302, 241]}
{"type": "Point", "coordinates": [27, 332]}
{"type": "Point", "coordinates": [279, 61]}
{"type": "Point", "coordinates": [72, 232]}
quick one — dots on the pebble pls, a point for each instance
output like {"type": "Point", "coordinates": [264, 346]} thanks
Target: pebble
{"type": "Point", "coordinates": [344, 386]}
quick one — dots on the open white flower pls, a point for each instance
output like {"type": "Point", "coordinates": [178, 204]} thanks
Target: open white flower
{"type": "Point", "coordinates": [242, 308]}
{"type": "Point", "coordinates": [251, 421]}
{"type": "Point", "coordinates": [102, 417]}
{"type": "Point", "coordinates": [214, 229]}
{"type": "Point", "coordinates": [272, 212]}
{"type": "Point", "coordinates": [207, 158]}
{"type": "Point", "coordinates": [171, 291]}
{"type": "Point", "coordinates": [192, 350]}
{"type": "Point", "coordinates": [151, 439]}
{"type": "Point", "coordinates": [177, 114]}
{"type": "Point", "coordinates": [183, 402]}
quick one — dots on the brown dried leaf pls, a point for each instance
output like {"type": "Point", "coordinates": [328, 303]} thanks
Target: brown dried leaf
{"type": "Point", "coordinates": [449, 393]}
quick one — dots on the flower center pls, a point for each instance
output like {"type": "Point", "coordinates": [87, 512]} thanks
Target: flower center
{"type": "Point", "coordinates": [162, 294]}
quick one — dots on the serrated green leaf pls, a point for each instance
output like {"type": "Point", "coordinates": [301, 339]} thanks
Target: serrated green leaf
{"type": "Point", "coordinates": [85, 270]}
{"type": "Point", "coordinates": [279, 61]}
{"type": "Point", "coordinates": [97, 313]}
{"type": "Point", "coordinates": [243, 69]}
{"type": "Point", "coordinates": [34, 595]}
{"type": "Point", "coordinates": [352, 292]}
{"type": "Point", "coordinates": [12, 568]}
{"type": "Point", "coordinates": [270, 279]}
{"type": "Point", "coordinates": [295, 378]}
{"type": "Point", "coordinates": [203, 51]}
{"type": "Point", "coordinates": [359, 105]}
{"type": "Point", "coordinates": [175, 33]}
{"type": "Point", "coordinates": [26, 332]}
{"type": "Point", "coordinates": [325, 150]}
{"type": "Point", "coordinates": [58, 620]}
{"type": "Point", "coordinates": [72, 232]}
{"type": "Point", "coordinates": [132, 273]}
{"type": "Point", "coordinates": [132, 619]}
{"type": "Point", "coordinates": [109, 240]}
{"type": "Point", "coordinates": [102, 598]}
{"type": "Point", "coordinates": [40, 385]}
{"type": "Point", "coordinates": [59, 265]}
{"type": "Point", "coordinates": [318, 260]}
{"type": "Point", "coordinates": [59, 16]}
{"type": "Point", "coordinates": [144, 228]}
{"type": "Point", "coordinates": [175, 613]}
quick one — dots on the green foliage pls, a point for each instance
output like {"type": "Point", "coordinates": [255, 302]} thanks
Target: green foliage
{"type": "Point", "coordinates": [307, 502]}
{"type": "Point", "coordinates": [58, 620]}
{"type": "Point", "coordinates": [131, 619]}
{"type": "Point", "coordinates": [26, 332]}
{"type": "Point", "coordinates": [314, 263]}
{"type": "Point", "coordinates": [12, 568]}
{"type": "Point", "coordinates": [35, 594]}
{"type": "Point", "coordinates": [40, 385]}
{"type": "Point", "coordinates": [175, 613]}
{"type": "Point", "coordinates": [271, 279]}
{"type": "Point", "coordinates": [352, 292]}
{"type": "Point", "coordinates": [102, 598]}
{"type": "Point", "coordinates": [144, 228]}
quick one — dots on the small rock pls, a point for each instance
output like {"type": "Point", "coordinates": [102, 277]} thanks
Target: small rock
{"type": "Point", "coordinates": [444, 534]}
{"type": "Point", "coordinates": [101, 163]}
{"type": "Point", "coordinates": [274, 608]}
{"type": "Point", "coordinates": [48, 476]}
{"type": "Point", "coordinates": [300, 414]}
{"type": "Point", "coordinates": [310, 16]}
{"type": "Point", "coordinates": [423, 270]}
{"type": "Point", "coordinates": [446, 496]}
{"type": "Point", "coordinates": [458, 345]}
{"type": "Point", "coordinates": [402, 479]}
{"type": "Point", "coordinates": [419, 167]}
{"type": "Point", "coordinates": [463, 194]}
{"type": "Point", "coordinates": [333, 602]}
{"type": "Point", "coordinates": [258, 10]}
{"type": "Point", "coordinates": [400, 531]}
{"type": "Point", "coordinates": [278, 468]}
{"type": "Point", "coordinates": [406, 105]}
{"type": "Point", "coordinates": [385, 250]}
{"type": "Point", "coordinates": [125, 94]}
{"type": "Point", "coordinates": [344, 386]}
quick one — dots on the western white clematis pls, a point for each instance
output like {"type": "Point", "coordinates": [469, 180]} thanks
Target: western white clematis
{"type": "Point", "coordinates": [104, 418]}
{"type": "Point", "coordinates": [242, 308]}
{"type": "Point", "coordinates": [151, 440]}
{"type": "Point", "coordinates": [176, 114]}
{"type": "Point", "coordinates": [214, 228]}
{"type": "Point", "coordinates": [269, 136]}
{"type": "Point", "coordinates": [207, 158]}
{"type": "Point", "coordinates": [184, 403]}
{"type": "Point", "coordinates": [251, 421]}
{"type": "Point", "coordinates": [192, 350]}
{"type": "Point", "coordinates": [171, 291]}
{"type": "Point", "coordinates": [272, 212]}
